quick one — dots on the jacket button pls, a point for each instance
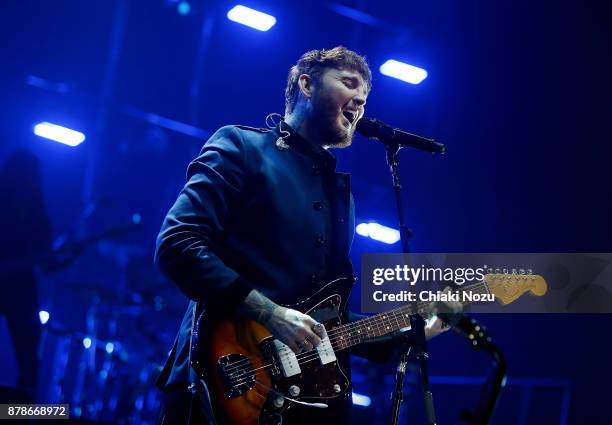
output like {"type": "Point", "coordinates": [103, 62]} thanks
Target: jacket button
{"type": "Point", "coordinates": [320, 240]}
{"type": "Point", "coordinates": [317, 205]}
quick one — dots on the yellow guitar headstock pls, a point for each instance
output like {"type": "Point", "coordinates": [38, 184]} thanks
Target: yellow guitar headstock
{"type": "Point", "coordinates": [509, 287]}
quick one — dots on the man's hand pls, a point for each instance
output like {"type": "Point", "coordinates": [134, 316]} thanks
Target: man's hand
{"type": "Point", "coordinates": [298, 330]}
{"type": "Point", "coordinates": [434, 326]}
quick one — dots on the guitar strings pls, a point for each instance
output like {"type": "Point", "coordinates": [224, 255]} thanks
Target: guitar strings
{"type": "Point", "coordinates": [311, 355]}
{"type": "Point", "coordinates": [333, 336]}
{"type": "Point", "coordinates": [373, 320]}
{"type": "Point", "coordinates": [333, 333]}
{"type": "Point", "coordinates": [302, 359]}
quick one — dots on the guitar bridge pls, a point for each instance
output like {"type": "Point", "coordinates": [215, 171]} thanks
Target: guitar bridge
{"type": "Point", "coordinates": [237, 374]}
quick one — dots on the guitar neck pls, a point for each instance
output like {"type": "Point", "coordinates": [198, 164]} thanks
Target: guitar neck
{"type": "Point", "coordinates": [354, 333]}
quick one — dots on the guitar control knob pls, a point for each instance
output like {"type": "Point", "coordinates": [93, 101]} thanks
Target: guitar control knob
{"type": "Point", "coordinates": [337, 388]}
{"type": "Point", "coordinates": [294, 390]}
{"type": "Point", "coordinates": [279, 401]}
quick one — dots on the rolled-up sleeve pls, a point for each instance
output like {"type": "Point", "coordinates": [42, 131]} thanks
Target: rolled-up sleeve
{"type": "Point", "coordinates": [215, 184]}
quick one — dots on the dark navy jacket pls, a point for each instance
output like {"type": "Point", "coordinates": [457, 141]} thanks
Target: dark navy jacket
{"type": "Point", "coordinates": [255, 215]}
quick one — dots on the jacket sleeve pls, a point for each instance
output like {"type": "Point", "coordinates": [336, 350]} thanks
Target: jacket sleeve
{"type": "Point", "coordinates": [215, 182]}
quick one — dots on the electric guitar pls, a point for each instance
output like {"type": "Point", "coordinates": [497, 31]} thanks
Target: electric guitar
{"type": "Point", "coordinates": [253, 379]}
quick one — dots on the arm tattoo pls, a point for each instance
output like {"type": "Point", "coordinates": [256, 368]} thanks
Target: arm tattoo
{"type": "Point", "coordinates": [258, 307]}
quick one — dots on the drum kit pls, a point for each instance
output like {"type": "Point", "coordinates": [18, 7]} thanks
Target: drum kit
{"type": "Point", "coordinates": [108, 333]}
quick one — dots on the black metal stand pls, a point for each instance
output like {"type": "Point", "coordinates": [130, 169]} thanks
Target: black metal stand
{"type": "Point", "coordinates": [491, 390]}
{"type": "Point", "coordinates": [417, 323]}
{"type": "Point", "coordinates": [479, 339]}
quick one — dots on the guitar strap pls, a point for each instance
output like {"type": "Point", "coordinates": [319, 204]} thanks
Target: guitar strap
{"type": "Point", "coordinates": [198, 389]}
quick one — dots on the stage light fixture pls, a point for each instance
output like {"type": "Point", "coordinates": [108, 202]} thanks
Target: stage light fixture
{"type": "Point", "coordinates": [110, 347]}
{"type": "Point", "coordinates": [361, 400]}
{"type": "Point", "coordinates": [251, 18]}
{"type": "Point", "coordinates": [59, 134]}
{"type": "Point", "coordinates": [378, 232]}
{"type": "Point", "coordinates": [183, 8]}
{"type": "Point", "coordinates": [43, 316]}
{"type": "Point", "coordinates": [87, 342]}
{"type": "Point", "coordinates": [403, 71]}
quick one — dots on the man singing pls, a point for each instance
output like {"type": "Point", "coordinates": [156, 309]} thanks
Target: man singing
{"type": "Point", "coordinates": [265, 220]}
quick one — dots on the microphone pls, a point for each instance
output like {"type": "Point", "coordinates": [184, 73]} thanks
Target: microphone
{"type": "Point", "coordinates": [375, 129]}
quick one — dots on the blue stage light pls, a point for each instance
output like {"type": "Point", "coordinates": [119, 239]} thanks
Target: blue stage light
{"type": "Point", "coordinates": [43, 316]}
{"type": "Point", "coordinates": [378, 232]}
{"type": "Point", "coordinates": [139, 403]}
{"type": "Point", "coordinates": [59, 134]}
{"type": "Point", "coordinates": [251, 18]}
{"type": "Point", "coordinates": [87, 342]}
{"type": "Point", "coordinates": [110, 347]}
{"type": "Point", "coordinates": [183, 8]}
{"type": "Point", "coordinates": [361, 400]}
{"type": "Point", "coordinates": [403, 71]}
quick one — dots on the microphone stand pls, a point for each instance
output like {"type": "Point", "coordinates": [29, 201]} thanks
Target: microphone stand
{"type": "Point", "coordinates": [417, 323]}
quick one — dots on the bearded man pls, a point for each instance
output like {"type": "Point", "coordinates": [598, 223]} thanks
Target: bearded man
{"type": "Point", "coordinates": [264, 221]}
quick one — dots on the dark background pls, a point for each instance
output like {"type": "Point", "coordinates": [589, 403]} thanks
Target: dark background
{"type": "Point", "coordinates": [518, 90]}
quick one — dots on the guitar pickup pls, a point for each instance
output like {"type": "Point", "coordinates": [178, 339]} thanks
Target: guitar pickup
{"type": "Point", "coordinates": [326, 352]}
{"type": "Point", "coordinates": [289, 364]}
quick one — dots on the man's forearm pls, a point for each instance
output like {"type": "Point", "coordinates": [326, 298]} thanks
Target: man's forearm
{"type": "Point", "coordinates": [256, 306]}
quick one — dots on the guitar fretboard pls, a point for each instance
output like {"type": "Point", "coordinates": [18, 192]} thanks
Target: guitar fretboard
{"type": "Point", "coordinates": [351, 334]}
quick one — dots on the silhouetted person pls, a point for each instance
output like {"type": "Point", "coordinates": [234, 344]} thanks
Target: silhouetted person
{"type": "Point", "coordinates": [26, 237]}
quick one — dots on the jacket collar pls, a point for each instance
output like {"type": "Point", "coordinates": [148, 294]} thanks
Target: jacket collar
{"type": "Point", "coordinates": [320, 155]}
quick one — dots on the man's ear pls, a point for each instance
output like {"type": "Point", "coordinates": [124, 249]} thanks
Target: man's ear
{"type": "Point", "coordinates": [305, 83]}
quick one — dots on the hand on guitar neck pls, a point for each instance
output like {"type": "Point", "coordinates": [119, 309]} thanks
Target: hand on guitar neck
{"type": "Point", "coordinates": [434, 325]}
{"type": "Point", "coordinates": [297, 330]}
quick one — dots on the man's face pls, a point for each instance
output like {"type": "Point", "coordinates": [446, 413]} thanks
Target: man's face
{"type": "Point", "coordinates": [338, 101]}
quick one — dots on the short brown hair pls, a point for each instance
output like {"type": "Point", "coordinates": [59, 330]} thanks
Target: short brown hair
{"type": "Point", "coordinates": [314, 62]}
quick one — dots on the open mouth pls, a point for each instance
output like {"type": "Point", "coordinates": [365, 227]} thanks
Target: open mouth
{"type": "Point", "coordinates": [350, 116]}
